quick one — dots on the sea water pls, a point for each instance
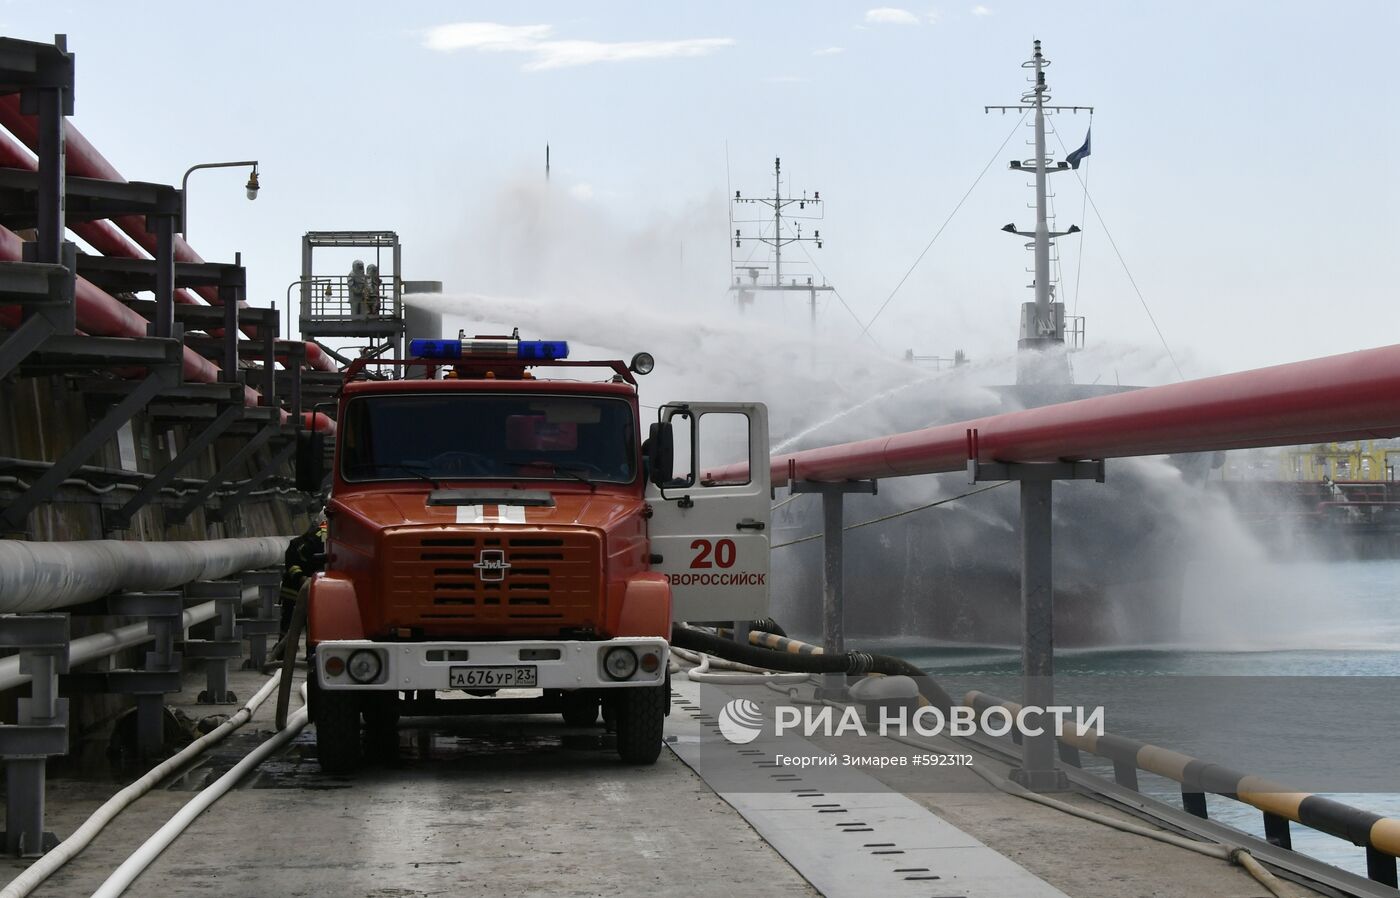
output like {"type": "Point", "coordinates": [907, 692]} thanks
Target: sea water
{"type": "Point", "coordinates": [1347, 626]}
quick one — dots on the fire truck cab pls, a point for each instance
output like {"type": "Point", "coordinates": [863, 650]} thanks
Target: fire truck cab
{"type": "Point", "coordinates": [503, 542]}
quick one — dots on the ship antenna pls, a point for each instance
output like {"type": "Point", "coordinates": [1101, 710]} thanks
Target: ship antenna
{"type": "Point", "coordinates": [784, 209]}
{"type": "Point", "coordinates": [1043, 321]}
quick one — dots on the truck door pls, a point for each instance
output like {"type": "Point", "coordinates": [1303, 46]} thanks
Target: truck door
{"type": "Point", "coordinates": [710, 522]}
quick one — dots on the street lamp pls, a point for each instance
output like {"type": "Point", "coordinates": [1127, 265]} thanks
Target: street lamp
{"type": "Point", "coordinates": [251, 187]}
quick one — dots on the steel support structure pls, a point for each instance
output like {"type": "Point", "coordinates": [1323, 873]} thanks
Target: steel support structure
{"type": "Point", "coordinates": [194, 448]}
{"type": "Point", "coordinates": [159, 674]}
{"type": "Point", "coordinates": [160, 376]}
{"type": "Point", "coordinates": [225, 471]}
{"type": "Point", "coordinates": [278, 459]}
{"type": "Point", "coordinates": [1038, 771]}
{"type": "Point", "coordinates": [227, 643]}
{"type": "Point", "coordinates": [41, 728]}
{"type": "Point", "coordinates": [833, 570]}
{"type": "Point", "coordinates": [267, 620]}
{"type": "Point", "coordinates": [45, 292]}
{"type": "Point", "coordinates": [43, 75]}
{"type": "Point", "coordinates": [44, 650]}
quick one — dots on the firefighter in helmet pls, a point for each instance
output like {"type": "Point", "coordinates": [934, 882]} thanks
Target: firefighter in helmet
{"type": "Point", "coordinates": [305, 556]}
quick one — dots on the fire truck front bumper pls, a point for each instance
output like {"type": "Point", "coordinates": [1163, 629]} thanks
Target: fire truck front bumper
{"type": "Point", "coordinates": [439, 666]}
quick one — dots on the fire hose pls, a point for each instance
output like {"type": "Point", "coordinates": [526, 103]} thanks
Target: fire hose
{"type": "Point", "coordinates": [853, 663]}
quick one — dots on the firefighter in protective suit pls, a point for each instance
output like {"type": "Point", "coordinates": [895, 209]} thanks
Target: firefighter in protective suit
{"type": "Point", "coordinates": [357, 286]}
{"type": "Point", "coordinates": [373, 290]}
{"type": "Point", "coordinates": [305, 556]}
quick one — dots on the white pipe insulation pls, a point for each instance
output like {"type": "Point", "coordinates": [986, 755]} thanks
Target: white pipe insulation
{"type": "Point", "coordinates": [41, 576]}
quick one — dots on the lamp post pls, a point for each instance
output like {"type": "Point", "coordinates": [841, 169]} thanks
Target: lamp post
{"type": "Point", "coordinates": [251, 187]}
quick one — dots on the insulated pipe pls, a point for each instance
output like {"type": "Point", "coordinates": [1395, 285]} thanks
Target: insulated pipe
{"type": "Point", "coordinates": [83, 160]}
{"type": "Point", "coordinates": [1340, 397]}
{"type": "Point", "coordinates": [40, 576]}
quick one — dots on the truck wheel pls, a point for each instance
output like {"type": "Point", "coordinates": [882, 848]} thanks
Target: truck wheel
{"type": "Point", "coordinates": [580, 708]}
{"type": "Point", "coordinates": [337, 719]}
{"type": "Point", "coordinates": [381, 712]}
{"type": "Point", "coordinates": [641, 717]}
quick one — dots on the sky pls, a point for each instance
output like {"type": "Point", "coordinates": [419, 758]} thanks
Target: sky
{"type": "Point", "coordinates": [1243, 163]}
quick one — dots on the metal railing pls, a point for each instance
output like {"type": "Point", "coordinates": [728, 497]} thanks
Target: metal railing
{"type": "Point", "coordinates": [1279, 804]}
{"type": "Point", "coordinates": [337, 299]}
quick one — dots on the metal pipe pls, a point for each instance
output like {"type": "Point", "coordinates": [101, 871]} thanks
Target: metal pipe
{"type": "Point", "coordinates": [83, 160]}
{"type": "Point", "coordinates": [99, 313]}
{"type": "Point", "coordinates": [39, 576]}
{"type": "Point", "coordinates": [1340, 397]}
{"type": "Point", "coordinates": [102, 235]}
{"type": "Point", "coordinates": [100, 645]}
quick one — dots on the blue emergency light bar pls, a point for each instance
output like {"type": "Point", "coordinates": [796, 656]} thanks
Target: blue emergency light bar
{"type": "Point", "coordinates": [543, 350]}
{"type": "Point", "coordinates": [524, 350]}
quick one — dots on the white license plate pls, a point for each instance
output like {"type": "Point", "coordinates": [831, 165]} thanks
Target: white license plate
{"type": "Point", "coordinates": [493, 677]}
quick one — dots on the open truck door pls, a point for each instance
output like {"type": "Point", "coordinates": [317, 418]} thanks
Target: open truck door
{"type": "Point", "coordinates": [710, 499]}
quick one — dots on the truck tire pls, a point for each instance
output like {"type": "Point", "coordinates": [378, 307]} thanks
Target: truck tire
{"type": "Point", "coordinates": [381, 712]}
{"type": "Point", "coordinates": [580, 708]}
{"type": "Point", "coordinates": [337, 719]}
{"type": "Point", "coordinates": [641, 718]}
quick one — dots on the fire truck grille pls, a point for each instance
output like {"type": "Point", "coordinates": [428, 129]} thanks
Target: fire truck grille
{"type": "Point", "coordinates": [494, 579]}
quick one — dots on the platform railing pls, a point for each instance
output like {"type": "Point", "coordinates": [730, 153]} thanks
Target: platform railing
{"type": "Point", "coordinates": [1279, 804]}
{"type": "Point", "coordinates": [336, 299]}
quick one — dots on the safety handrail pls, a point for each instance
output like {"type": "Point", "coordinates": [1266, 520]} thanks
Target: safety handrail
{"type": "Point", "coordinates": [1379, 835]}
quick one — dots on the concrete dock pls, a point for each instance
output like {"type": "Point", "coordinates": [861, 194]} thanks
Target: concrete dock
{"type": "Point", "coordinates": [528, 806]}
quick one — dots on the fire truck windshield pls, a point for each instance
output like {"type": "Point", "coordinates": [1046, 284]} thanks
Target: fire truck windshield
{"type": "Point", "coordinates": [486, 436]}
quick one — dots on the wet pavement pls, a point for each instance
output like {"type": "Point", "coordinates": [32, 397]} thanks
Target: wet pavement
{"type": "Point", "coordinates": [457, 806]}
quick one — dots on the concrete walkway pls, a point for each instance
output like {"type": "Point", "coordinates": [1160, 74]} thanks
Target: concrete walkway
{"type": "Point", "coordinates": [521, 806]}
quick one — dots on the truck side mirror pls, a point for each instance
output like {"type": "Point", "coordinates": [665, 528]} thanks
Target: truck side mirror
{"type": "Point", "coordinates": [311, 460]}
{"type": "Point", "coordinates": [661, 454]}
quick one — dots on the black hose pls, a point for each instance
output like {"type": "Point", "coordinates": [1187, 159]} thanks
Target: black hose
{"type": "Point", "coordinates": [291, 641]}
{"type": "Point", "coordinates": [768, 659]}
{"type": "Point", "coordinates": [852, 663]}
{"type": "Point", "coordinates": [767, 625]}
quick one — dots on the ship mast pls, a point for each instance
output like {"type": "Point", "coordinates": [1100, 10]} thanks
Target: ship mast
{"type": "Point", "coordinates": [1042, 334]}
{"type": "Point", "coordinates": [744, 292]}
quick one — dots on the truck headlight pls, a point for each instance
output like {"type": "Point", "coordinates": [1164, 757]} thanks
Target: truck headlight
{"type": "Point", "coordinates": [364, 666]}
{"type": "Point", "coordinates": [620, 663]}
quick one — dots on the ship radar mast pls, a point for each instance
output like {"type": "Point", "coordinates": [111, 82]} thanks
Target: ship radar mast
{"type": "Point", "coordinates": [786, 229]}
{"type": "Point", "coordinates": [1042, 357]}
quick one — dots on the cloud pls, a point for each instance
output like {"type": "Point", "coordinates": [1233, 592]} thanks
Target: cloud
{"type": "Point", "coordinates": [581, 192]}
{"type": "Point", "coordinates": [828, 51]}
{"type": "Point", "coordinates": [544, 53]}
{"type": "Point", "coordinates": [980, 10]}
{"type": "Point", "coordinates": [889, 15]}
{"type": "Point", "coordinates": [484, 36]}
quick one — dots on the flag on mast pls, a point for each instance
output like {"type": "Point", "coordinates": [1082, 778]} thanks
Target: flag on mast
{"type": "Point", "coordinates": [1078, 155]}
